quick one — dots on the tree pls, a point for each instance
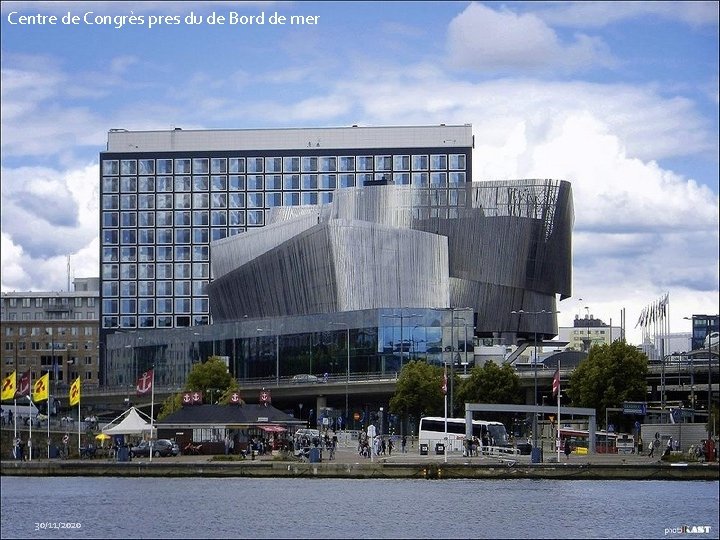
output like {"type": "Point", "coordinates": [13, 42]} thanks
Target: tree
{"type": "Point", "coordinates": [610, 375]}
{"type": "Point", "coordinates": [418, 391]}
{"type": "Point", "coordinates": [490, 383]}
{"type": "Point", "coordinates": [210, 375]}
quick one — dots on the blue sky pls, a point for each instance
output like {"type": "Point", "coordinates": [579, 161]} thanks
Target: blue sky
{"type": "Point", "coordinates": [619, 98]}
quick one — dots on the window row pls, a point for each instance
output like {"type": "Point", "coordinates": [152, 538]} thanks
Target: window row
{"type": "Point", "coordinates": [160, 270]}
{"type": "Point", "coordinates": [155, 288]}
{"type": "Point", "coordinates": [267, 182]}
{"type": "Point", "coordinates": [198, 218]}
{"type": "Point", "coordinates": [159, 321]}
{"type": "Point", "coordinates": [37, 331]}
{"type": "Point", "coordinates": [418, 162]}
{"type": "Point", "coordinates": [155, 306]}
{"type": "Point", "coordinates": [27, 302]}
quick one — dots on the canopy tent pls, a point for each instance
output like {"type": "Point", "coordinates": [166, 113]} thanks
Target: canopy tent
{"type": "Point", "coordinates": [131, 424]}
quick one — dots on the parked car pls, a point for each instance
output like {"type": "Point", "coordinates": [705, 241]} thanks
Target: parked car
{"type": "Point", "coordinates": [161, 447]}
{"type": "Point", "coordinates": [304, 378]}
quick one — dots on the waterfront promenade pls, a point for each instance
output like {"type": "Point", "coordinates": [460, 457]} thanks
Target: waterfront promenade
{"type": "Point", "coordinates": [348, 464]}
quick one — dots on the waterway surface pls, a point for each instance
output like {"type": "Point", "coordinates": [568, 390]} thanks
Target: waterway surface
{"type": "Point", "coordinates": [343, 508]}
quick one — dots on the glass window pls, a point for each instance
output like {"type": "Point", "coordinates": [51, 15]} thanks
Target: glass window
{"type": "Point", "coordinates": [438, 162]}
{"type": "Point", "coordinates": [147, 166]}
{"type": "Point", "coordinates": [182, 271]}
{"type": "Point", "coordinates": [237, 183]}
{"type": "Point", "coordinates": [110, 219]}
{"type": "Point", "coordinates": [164, 219]}
{"type": "Point", "coordinates": [457, 177]}
{"type": "Point", "coordinates": [110, 167]}
{"type": "Point", "coordinates": [146, 253]}
{"type": "Point", "coordinates": [291, 181]}
{"type": "Point", "coordinates": [164, 184]}
{"type": "Point", "coordinates": [328, 164]}
{"type": "Point", "coordinates": [146, 236]}
{"type": "Point", "coordinates": [255, 217]}
{"type": "Point", "coordinates": [182, 253]}
{"type": "Point", "coordinates": [218, 234]}
{"type": "Point", "coordinates": [146, 305]}
{"type": "Point", "coordinates": [182, 218]}
{"type": "Point", "coordinates": [128, 271]}
{"type": "Point", "coordinates": [291, 164]}
{"type": "Point", "coordinates": [164, 201]}
{"type": "Point", "coordinates": [164, 305]}
{"type": "Point", "coordinates": [218, 183]}
{"type": "Point", "coordinates": [218, 165]}
{"type": "Point", "coordinates": [273, 164]}
{"type": "Point", "coordinates": [110, 254]}
{"type": "Point", "coordinates": [182, 305]}
{"type": "Point", "coordinates": [110, 288]}
{"type": "Point", "coordinates": [383, 163]}
{"type": "Point", "coordinates": [347, 164]}
{"type": "Point", "coordinates": [254, 164]}
{"type": "Point", "coordinates": [182, 166]}
{"type": "Point", "coordinates": [420, 179]}
{"type": "Point", "coordinates": [182, 288]}
{"type": "Point", "coordinates": [420, 163]}
{"type": "Point", "coordinates": [164, 236]}
{"type": "Point", "coordinates": [291, 198]}
{"type": "Point", "coordinates": [164, 271]}
{"type": "Point", "coordinates": [438, 178]}
{"type": "Point", "coordinates": [164, 166]}
{"type": "Point", "coordinates": [199, 288]}
{"type": "Point", "coordinates": [382, 177]}
{"type": "Point", "coordinates": [273, 181]}
{"type": "Point", "coordinates": [310, 198]}
{"type": "Point", "coordinates": [110, 237]}
{"type": "Point", "coordinates": [219, 217]}
{"type": "Point", "coordinates": [326, 197]}
{"type": "Point", "coordinates": [128, 288]}
{"type": "Point", "coordinates": [200, 305]}
{"type": "Point", "coordinates": [200, 200]}
{"type": "Point", "coordinates": [183, 183]}
{"type": "Point", "coordinates": [110, 202]}
{"type": "Point", "coordinates": [200, 166]}
{"type": "Point", "coordinates": [363, 178]}
{"type": "Point", "coordinates": [218, 200]}
{"type": "Point", "coordinates": [128, 167]}
{"type": "Point", "coordinates": [236, 165]}
{"type": "Point", "coordinates": [111, 271]}
{"type": "Point", "coordinates": [163, 288]}
{"type": "Point", "coordinates": [200, 253]}
{"type": "Point", "coordinates": [309, 164]}
{"type": "Point", "coordinates": [146, 184]}
{"type": "Point", "coordinates": [237, 200]}
{"type": "Point", "coordinates": [309, 181]}
{"type": "Point", "coordinates": [255, 181]}
{"type": "Point", "coordinates": [182, 236]}
{"type": "Point", "coordinates": [271, 200]}
{"type": "Point", "coordinates": [146, 202]}
{"type": "Point", "coordinates": [457, 161]}
{"type": "Point", "coordinates": [347, 180]}
{"type": "Point", "coordinates": [401, 163]}
{"type": "Point", "coordinates": [146, 271]}
{"type": "Point", "coordinates": [401, 178]}
{"type": "Point", "coordinates": [110, 305]}
{"type": "Point", "coordinates": [201, 236]}
{"type": "Point", "coordinates": [201, 218]}
{"type": "Point", "coordinates": [200, 183]}
{"type": "Point", "coordinates": [237, 217]}
{"type": "Point", "coordinates": [110, 184]}
{"type": "Point", "coordinates": [364, 163]}
{"type": "Point", "coordinates": [128, 219]}
{"type": "Point", "coordinates": [164, 253]}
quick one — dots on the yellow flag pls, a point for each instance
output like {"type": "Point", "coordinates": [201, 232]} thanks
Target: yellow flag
{"type": "Point", "coordinates": [75, 392]}
{"type": "Point", "coordinates": [8, 387]}
{"type": "Point", "coordinates": [41, 388]}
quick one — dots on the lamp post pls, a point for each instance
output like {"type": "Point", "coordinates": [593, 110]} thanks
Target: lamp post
{"type": "Point", "coordinates": [347, 377]}
{"type": "Point", "coordinates": [535, 397]}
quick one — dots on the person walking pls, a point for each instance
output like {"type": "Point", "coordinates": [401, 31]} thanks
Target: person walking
{"type": "Point", "coordinates": [567, 449]}
{"type": "Point", "coordinates": [403, 444]}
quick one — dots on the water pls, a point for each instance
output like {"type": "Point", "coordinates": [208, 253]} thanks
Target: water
{"type": "Point", "coordinates": [340, 508]}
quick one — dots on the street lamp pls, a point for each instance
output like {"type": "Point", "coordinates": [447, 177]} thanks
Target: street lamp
{"type": "Point", "coordinates": [347, 377]}
{"type": "Point", "coordinates": [535, 397]}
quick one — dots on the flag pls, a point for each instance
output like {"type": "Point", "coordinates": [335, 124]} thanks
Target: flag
{"type": "Point", "coordinates": [41, 388]}
{"type": "Point", "coordinates": [556, 383]}
{"type": "Point", "coordinates": [75, 392]}
{"type": "Point", "coordinates": [23, 385]}
{"type": "Point", "coordinates": [444, 384]}
{"type": "Point", "coordinates": [8, 387]}
{"type": "Point", "coordinates": [145, 383]}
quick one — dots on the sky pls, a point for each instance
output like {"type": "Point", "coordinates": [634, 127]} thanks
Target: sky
{"type": "Point", "coordinates": [619, 98]}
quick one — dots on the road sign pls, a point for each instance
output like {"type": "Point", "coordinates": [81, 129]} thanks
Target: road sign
{"type": "Point", "coordinates": [635, 407]}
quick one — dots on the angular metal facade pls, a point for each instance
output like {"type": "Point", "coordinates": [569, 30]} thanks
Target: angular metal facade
{"type": "Point", "coordinates": [491, 246]}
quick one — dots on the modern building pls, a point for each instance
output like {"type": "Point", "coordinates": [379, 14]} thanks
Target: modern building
{"type": "Point", "coordinates": [53, 331]}
{"type": "Point", "coordinates": [703, 327]}
{"type": "Point", "coordinates": [588, 331]}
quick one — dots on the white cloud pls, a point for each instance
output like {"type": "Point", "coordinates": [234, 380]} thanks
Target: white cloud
{"type": "Point", "coordinates": [485, 39]}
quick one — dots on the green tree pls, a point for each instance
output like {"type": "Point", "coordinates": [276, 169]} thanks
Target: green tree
{"type": "Point", "coordinates": [490, 383]}
{"type": "Point", "coordinates": [418, 391]}
{"type": "Point", "coordinates": [210, 375]}
{"type": "Point", "coordinates": [609, 375]}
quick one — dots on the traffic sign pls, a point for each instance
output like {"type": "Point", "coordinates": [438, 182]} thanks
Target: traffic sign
{"type": "Point", "coordinates": [635, 407]}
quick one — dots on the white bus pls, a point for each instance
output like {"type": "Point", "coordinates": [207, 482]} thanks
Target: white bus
{"type": "Point", "coordinates": [432, 431]}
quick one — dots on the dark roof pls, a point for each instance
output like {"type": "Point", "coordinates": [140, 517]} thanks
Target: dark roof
{"type": "Point", "coordinates": [228, 415]}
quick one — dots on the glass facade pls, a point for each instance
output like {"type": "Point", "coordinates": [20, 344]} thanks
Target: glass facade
{"type": "Point", "coordinates": [160, 213]}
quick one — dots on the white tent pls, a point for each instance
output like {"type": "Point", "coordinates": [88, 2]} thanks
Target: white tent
{"type": "Point", "coordinates": [132, 424]}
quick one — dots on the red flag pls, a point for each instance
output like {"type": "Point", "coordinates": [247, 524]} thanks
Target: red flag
{"type": "Point", "coordinates": [556, 383]}
{"type": "Point", "coordinates": [145, 383]}
{"type": "Point", "coordinates": [23, 385]}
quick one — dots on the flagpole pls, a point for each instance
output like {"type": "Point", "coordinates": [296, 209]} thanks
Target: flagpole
{"type": "Point", "coordinates": [558, 415]}
{"type": "Point", "coordinates": [152, 407]}
{"type": "Point", "coordinates": [446, 408]}
{"type": "Point", "coordinates": [48, 419]}
{"type": "Point", "coordinates": [30, 394]}
{"type": "Point", "coordinates": [79, 398]}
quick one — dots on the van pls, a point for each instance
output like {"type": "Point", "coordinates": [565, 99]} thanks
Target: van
{"type": "Point", "coordinates": [22, 413]}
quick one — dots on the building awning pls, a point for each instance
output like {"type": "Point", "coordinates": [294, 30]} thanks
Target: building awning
{"type": "Point", "coordinates": [270, 428]}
